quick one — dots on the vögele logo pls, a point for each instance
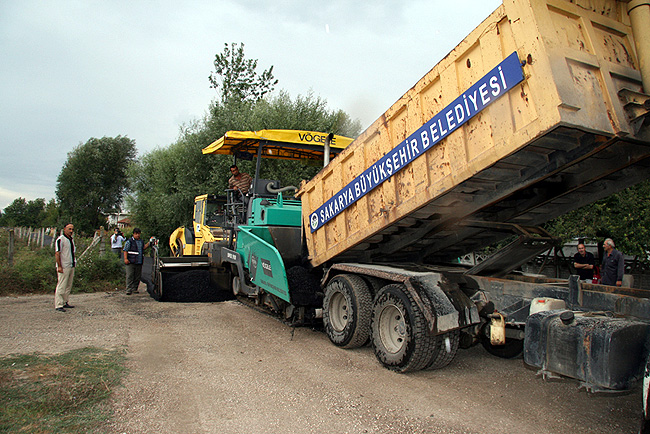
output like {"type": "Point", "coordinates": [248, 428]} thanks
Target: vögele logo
{"type": "Point", "coordinates": [315, 138]}
{"type": "Point", "coordinates": [266, 267]}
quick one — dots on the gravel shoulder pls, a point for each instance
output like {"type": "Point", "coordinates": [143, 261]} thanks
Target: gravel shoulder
{"type": "Point", "coordinates": [223, 367]}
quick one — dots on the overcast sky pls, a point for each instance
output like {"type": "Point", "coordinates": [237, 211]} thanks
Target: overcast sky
{"type": "Point", "coordinates": [72, 70]}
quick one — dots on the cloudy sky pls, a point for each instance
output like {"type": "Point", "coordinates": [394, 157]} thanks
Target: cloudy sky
{"type": "Point", "coordinates": [71, 70]}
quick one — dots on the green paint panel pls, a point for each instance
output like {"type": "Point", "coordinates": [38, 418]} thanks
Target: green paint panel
{"type": "Point", "coordinates": [266, 267]}
{"type": "Point", "coordinates": [276, 212]}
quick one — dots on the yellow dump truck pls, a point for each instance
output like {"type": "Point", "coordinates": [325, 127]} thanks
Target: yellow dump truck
{"type": "Point", "coordinates": [541, 109]}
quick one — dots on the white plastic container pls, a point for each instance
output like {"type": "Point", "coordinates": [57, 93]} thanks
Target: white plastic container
{"type": "Point", "coordinates": [541, 304]}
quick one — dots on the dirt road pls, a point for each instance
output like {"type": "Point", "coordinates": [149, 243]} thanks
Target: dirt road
{"type": "Point", "coordinates": [225, 368]}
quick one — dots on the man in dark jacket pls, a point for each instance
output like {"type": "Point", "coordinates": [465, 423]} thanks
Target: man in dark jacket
{"type": "Point", "coordinates": [133, 250]}
{"type": "Point", "coordinates": [613, 265]}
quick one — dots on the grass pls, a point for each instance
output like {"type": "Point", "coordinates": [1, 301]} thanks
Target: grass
{"type": "Point", "coordinates": [64, 393]}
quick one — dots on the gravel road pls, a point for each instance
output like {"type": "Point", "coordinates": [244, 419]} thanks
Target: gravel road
{"type": "Point", "coordinates": [225, 368]}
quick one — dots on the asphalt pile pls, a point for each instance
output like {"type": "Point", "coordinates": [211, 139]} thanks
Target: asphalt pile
{"type": "Point", "coordinates": [191, 286]}
{"type": "Point", "coordinates": [304, 287]}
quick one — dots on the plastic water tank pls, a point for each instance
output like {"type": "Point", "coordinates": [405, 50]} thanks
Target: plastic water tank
{"type": "Point", "coordinates": [541, 304]}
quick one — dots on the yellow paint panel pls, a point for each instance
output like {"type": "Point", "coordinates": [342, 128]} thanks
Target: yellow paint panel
{"type": "Point", "coordinates": [615, 47]}
{"type": "Point", "coordinates": [570, 30]}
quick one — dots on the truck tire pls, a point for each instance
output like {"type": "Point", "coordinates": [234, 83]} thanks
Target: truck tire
{"type": "Point", "coordinates": [399, 331]}
{"type": "Point", "coordinates": [445, 349]}
{"type": "Point", "coordinates": [645, 418]}
{"type": "Point", "coordinates": [347, 307]}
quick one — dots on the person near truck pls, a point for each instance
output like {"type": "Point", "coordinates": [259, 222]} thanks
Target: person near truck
{"type": "Point", "coordinates": [239, 180]}
{"type": "Point", "coordinates": [613, 265]}
{"type": "Point", "coordinates": [133, 250]}
{"type": "Point", "coordinates": [117, 241]}
{"type": "Point", "coordinates": [584, 263]}
{"type": "Point", "coordinates": [65, 263]}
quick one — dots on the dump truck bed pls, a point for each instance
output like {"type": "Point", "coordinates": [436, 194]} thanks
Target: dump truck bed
{"type": "Point", "coordinates": [564, 135]}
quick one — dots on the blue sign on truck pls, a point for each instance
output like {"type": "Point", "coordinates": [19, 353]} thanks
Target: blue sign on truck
{"type": "Point", "coordinates": [488, 89]}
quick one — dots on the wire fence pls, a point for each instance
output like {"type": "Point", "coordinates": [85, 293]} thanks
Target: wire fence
{"type": "Point", "coordinates": [40, 238]}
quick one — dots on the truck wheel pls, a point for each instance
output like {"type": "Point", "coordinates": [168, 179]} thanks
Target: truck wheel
{"type": "Point", "coordinates": [399, 331]}
{"type": "Point", "coordinates": [445, 349]}
{"type": "Point", "coordinates": [347, 307]}
{"type": "Point", "coordinates": [645, 419]}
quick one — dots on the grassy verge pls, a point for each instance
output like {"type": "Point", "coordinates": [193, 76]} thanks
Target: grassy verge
{"type": "Point", "coordinates": [66, 393]}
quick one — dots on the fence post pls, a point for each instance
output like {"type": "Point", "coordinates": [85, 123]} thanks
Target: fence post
{"type": "Point", "coordinates": [11, 248]}
{"type": "Point", "coordinates": [102, 241]}
{"type": "Point", "coordinates": [54, 236]}
{"type": "Point", "coordinates": [42, 237]}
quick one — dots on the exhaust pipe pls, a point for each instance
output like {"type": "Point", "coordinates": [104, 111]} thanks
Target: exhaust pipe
{"type": "Point", "coordinates": [639, 12]}
{"type": "Point", "coordinates": [326, 156]}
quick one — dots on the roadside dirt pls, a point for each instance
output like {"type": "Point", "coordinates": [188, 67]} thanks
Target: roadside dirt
{"type": "Point", "coordinates": [225, 368]}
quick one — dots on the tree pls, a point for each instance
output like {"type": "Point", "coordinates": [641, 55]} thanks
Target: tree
{"type": "Point", "coordinates": [236, 76]}
{"type": "Point", "coordinates": [15, 214]}
{"type": "Point", "coordinates": [165, 181]}
{"type": "Point", "coordinates": [50, 214]}
{"type": "Point", "coordinates": [93, 180]}
{"type": "Point", "coordinates": [23, 213]}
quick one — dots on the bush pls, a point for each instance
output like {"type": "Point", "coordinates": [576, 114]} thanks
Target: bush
{"type": "Point", "coordinates": [98, 273]}
{"type": "Point", "coordinates": [34, 269]}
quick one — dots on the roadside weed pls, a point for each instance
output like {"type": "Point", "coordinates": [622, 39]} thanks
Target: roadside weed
{"type": "Point", "coordinates": [63, 393]}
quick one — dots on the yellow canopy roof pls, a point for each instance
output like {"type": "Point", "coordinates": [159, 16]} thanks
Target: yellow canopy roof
{"type": "Point", "coordinates": [283, 144]}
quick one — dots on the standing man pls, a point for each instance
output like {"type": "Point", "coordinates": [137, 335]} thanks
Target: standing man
{"type": "Point", "coordinates": [116, 242]}
{"type": "Point", "coordinates": [65, 262]}
{"type": "Point", "coordinates": [133, 257]}
{"type": "Point", "coordinates": [584, 262]}
{"type": "Point", "coordinates": [613, 265]}
{"type": "Point", "coordinates": [239, 181]}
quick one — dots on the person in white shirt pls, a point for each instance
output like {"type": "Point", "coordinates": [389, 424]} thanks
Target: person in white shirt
{"type": "Point", "coordinates": [117, 241]}
{"type": "Point", "coordinates": [65, 263]}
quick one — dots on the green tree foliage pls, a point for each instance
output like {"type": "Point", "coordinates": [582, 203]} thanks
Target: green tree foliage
{"type": "Point", "coordinates": [93, 180]}
{"type": "Point", "coordinates": [50, 214]}
{"type": "Point", "coordinates": [26, 213]}
{"type": "Point", "coordinates": [624, 217]}
{"type": "Point", "coordinates": [165, 181]}
{"type": "Point", "coordinates": [15, 214]}
{"type": "Point", "coordinates": [236, 77]}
